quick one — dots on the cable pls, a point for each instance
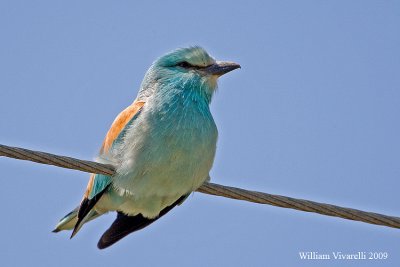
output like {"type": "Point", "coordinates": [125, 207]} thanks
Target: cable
{"type": "Point", "coordinates": [211, 188]}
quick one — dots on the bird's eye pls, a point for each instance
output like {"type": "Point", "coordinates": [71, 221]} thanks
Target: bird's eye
{"type": "Point", "coordinates": [184, 64]}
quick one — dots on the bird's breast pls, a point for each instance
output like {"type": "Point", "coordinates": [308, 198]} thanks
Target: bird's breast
{"type": "Point", "coordinates": [168, 152]}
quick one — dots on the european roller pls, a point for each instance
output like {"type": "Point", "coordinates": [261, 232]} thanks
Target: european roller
{"type": "Point", "coordinates": [162, 145]}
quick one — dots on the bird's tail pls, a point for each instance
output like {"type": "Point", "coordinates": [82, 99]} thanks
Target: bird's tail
{"type": "Point", "coordinates": [68, 221]}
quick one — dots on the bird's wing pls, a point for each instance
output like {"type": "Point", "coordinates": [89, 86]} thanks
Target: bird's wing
{"type": "Point", "coordinates": [98, 183]}
{"type": "Point", "coordinates": [124, 225]}
{"type": "Point", "coordinates": [119, 125]}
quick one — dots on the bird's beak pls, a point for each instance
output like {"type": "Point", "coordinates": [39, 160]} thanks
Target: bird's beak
{"type": "Point", "coordinates": [219, 68]}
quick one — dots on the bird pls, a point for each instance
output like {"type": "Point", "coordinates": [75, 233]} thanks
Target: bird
{"type": "Point", "coordinates": [162, 146]}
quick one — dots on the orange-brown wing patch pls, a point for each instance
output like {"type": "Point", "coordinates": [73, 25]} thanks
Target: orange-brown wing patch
{"type": "Point", "coordinates": [119, 123]}
{"type": "Point", "coordinates": [89, 186]}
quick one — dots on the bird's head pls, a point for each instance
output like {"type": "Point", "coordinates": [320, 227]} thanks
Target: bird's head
{"type": "Point", "coordinates": [183, 69]}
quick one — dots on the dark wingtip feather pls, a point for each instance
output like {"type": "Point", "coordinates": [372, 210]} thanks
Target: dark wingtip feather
{"type": "Point", "coordinates": [124, 225]}
{"type": "Point", "coordinates": [84, 209]}
{"type": "Point", "coordinates": [121, 227]}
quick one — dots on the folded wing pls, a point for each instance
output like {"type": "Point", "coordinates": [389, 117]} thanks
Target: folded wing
{"type": "Point", "coordinates": [99, 183]}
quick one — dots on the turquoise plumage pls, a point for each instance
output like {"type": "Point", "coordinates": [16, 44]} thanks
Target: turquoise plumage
{"type": "Point", "coordinates": [163, 146]}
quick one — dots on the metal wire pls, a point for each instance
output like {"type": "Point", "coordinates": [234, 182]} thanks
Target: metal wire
{"type": "Point", "coordinates": [211, 188]}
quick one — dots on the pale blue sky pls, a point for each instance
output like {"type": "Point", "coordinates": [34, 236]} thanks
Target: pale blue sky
{"type": "Point", "coordinates": [313, 113]}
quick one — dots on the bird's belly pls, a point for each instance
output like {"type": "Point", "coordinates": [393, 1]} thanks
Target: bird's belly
{"type": "Point", "coordinates": [161, 167]}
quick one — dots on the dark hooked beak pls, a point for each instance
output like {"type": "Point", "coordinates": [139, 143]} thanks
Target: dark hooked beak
{"type": "Point", "coordinates": [219, 68]}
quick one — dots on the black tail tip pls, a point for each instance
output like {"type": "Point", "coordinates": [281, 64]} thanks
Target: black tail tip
{"type": "Point", "coordinates": [56, 230]}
